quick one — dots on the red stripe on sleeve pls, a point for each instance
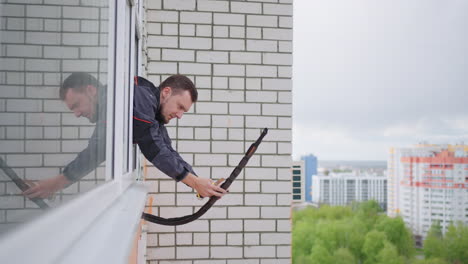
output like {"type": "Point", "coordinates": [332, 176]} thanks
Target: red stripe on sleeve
{"type": "Point", "coordinates": [136, 118]}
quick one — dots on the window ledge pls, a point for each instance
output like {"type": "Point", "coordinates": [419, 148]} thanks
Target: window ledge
{"type": "Point", "coordinates": [97, 227]}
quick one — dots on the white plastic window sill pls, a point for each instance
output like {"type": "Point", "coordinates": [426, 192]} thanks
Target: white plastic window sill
{"type": "Point", "coordinates": [97, 227]}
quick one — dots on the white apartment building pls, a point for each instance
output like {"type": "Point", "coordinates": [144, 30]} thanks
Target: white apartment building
{"type": "Point", "coordinates": [298, 182]}
{"type": "Point", "coordinates": [342, 189]}
{"type": "Point", "coordinates": [428, 183]}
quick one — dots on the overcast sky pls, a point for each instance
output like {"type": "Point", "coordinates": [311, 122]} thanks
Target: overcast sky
{"type": "Point", "coordinates": [372, 74]}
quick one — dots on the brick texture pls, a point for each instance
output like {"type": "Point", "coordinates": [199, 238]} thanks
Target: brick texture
{"type": "Point", "coordinates": [239, 55]}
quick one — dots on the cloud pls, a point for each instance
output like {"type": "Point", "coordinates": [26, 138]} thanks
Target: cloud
{"type": "Point", "coordinates": [369, 75]}
{"type": "Point", "coordinates": [433, 129]}
{"type": "Point", "coordinates": [336, 144]}
{"type": "Point", "coordinates": [339, 142]}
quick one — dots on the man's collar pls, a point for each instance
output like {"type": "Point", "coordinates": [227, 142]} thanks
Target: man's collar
{"type": "Point", "coordinates": [157, 94]}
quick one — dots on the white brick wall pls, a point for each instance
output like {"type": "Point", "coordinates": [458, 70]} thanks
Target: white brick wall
{"type": "Point", "coordinates": [239, 53]}
{"type": "Point", "coordinates": [41, 42]}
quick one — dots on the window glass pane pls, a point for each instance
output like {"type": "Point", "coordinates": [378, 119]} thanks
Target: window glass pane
{"type": "Point", "coordinates": [296, 178]}
{"type": "Point", "coordinates": [51, 136]}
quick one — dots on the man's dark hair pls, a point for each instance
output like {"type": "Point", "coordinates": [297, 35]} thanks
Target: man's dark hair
{"type": "Point", "coordinates": [78, 82]}
{"type": "Point", "coordinates": [180, 83]}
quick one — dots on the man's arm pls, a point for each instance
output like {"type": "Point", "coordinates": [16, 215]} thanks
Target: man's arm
{"type": "Point", "coordinates": [203, 186]}
{"type": "Point", "coordinates": [47, 187]}
{"type": "Point", "coordinates": [86, 161]}
{"type": "Point", "coordinates": [154, 146]}
{"type": "Point", "coordinates": [90, 158]}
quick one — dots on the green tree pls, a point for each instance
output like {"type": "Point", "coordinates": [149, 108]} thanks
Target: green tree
{"type": "Point", "coordinates": [368, 212]}
{"type": "Point", "coordinates": [397, 233]}
{"type": "Point", "coordinates": [463, 242]}
{"type": "Point", "coordinates": [389, 255]}
{"type": "Point", "coordinates": [328, 232]}
{"type": "Point", "coordinates": [429, 261]}
{"type": "Point", "coordinates": [362, 234]}
{"type": "Point", "coordinates": [307, 214]}
{"type": "Point", "coordinates": [434, 246]}
{"type": "Point", "coordinates": [302, 259]}
{"type": "Point", "coordinates": [355, 237]}
{"type": "Point", "coordinates": [312, 224]}
{"type": "Point", "coordinates": [344, 256]}
{"type": "Point", "coordinates": [320, 254]}
{"type": "Point", "coordinates": [373, 243]}
{"type": "Point", "coordinates": [368, 208]}
{"type": "Point", "coordinates": [303, 237]}
{"type": "Point", "coordinates": [456, 240]}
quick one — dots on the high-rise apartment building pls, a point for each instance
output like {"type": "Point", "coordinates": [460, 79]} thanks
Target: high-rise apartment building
{"type": "Point", "coordinates": [428, 183]}
{"type": "Point", "coordinates": [310, 162]}
{"type": "Point", "coordinates": [298, 182]}
{"type": "Point", "coordinates": [342, 189]}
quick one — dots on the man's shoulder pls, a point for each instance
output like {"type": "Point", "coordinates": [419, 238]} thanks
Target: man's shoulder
{"type": "Point", "coordinates": [140, 81]}
{"type": "Point", "coordinates": [143, 86]}
{"type": "Point", "coordinates": [145, 95]}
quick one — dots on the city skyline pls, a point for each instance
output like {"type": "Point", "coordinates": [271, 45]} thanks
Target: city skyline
{"type": "Point", "coordinates": [370, 76]}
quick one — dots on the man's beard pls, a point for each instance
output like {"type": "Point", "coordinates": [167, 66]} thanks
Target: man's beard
{"type": "Point", "coordinates": [161, 118]}
{"type": "Point", "coordinates": [93, 118]}
{"type": "Point", "coordinates": [94, 115]}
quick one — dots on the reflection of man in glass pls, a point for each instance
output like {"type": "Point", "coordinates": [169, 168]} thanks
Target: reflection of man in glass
{"type": "Point", "coordinates": [85, 96]}
{"type": "Point", "coordinates": [153, 107]}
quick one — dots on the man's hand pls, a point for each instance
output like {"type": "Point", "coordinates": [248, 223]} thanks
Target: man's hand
{"type": "Point", "coordinates": [203, 186]}
{"type": "Point", "coordinates": [47, 187]}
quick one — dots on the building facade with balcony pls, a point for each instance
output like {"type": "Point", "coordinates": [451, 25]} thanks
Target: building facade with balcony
{"type": "Point", "coordinates": [429, 183]}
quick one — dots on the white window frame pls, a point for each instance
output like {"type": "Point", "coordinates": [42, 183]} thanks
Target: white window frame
{"type": "Point", "coordinates": [125, 68]}
{"type": "Point", "coordinates": [98, 226]}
